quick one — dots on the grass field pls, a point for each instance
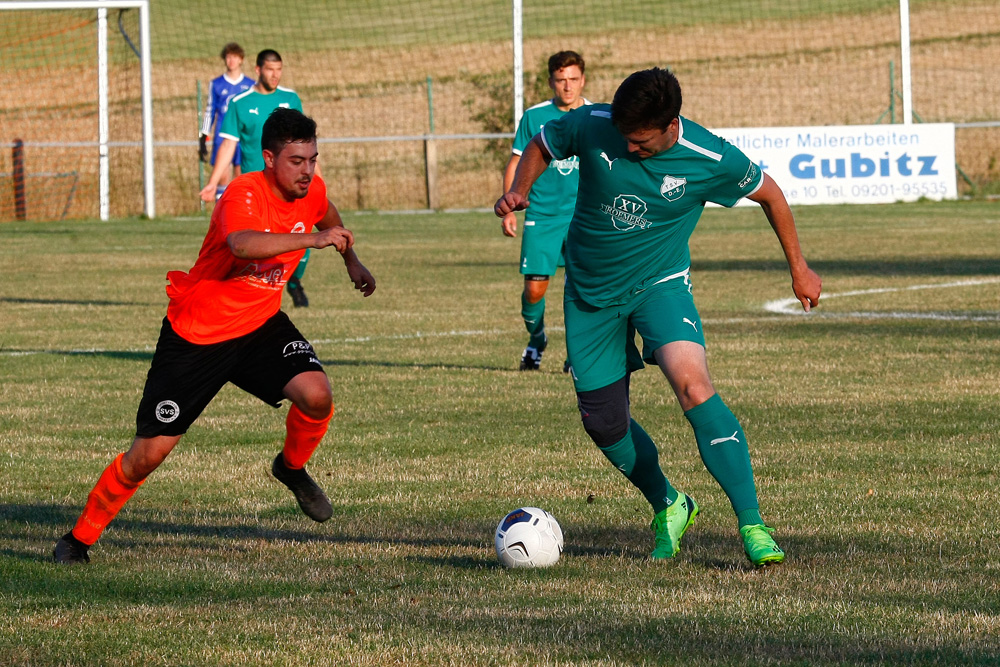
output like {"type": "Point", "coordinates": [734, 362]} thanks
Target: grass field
{"type": "Point", "coordinates": [873, 426]}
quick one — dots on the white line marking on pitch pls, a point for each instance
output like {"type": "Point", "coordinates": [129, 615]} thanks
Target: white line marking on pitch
{"type": "Point", "coordinates": [793, 307]}
{"type": "Point", "coordinates": [779, 306]}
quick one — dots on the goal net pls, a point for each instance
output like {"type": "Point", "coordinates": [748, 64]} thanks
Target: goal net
{"type": "Point", "coordinates": [386, 79]}
{"type": "Point", "coordinates": [72, 123]}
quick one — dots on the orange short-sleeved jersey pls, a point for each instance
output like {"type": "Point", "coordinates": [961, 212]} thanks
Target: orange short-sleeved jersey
{"type": "Point", "coordinates": [224, 297]}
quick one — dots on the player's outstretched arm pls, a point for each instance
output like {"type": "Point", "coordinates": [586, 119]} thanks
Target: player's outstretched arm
{"type": "Point", "coordinates": [806, 284]}
{"type": "Point", "coordinates": [253, 244]}
{"type": "Point", "coordinates": [508, 224]}
{"type": "Point", "coordinates": [362, 278]}
{"type": "Point", "coordinates": [534, 161]}
{"type": "Point", "coordinates": [227, 149]}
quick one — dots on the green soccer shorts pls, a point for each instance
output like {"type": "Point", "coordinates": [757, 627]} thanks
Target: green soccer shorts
{"type": "Point", "coordinates": [542, 246]}
{"type": "Point", "coordinates": [601, 341]}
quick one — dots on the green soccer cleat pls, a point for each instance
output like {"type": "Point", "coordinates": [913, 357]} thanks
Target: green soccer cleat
{"type": "Point", "coordinates": [759, 546]}
{"type": "Point", "coordinates": [670, 525]}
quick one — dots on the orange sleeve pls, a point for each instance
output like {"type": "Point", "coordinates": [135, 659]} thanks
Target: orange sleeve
{"type": "Point", "coordinates": [243, 209]}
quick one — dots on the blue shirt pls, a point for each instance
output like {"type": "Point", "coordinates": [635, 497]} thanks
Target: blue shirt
{"type": "Point", "coordinates": [219, 93]}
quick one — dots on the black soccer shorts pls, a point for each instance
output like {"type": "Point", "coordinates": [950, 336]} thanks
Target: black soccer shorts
{"type": "Point", "coordinates": [184, 377]}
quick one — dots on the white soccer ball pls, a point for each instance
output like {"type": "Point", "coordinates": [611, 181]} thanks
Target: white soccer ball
{"type": "Point", "coordinates": [528, 537]}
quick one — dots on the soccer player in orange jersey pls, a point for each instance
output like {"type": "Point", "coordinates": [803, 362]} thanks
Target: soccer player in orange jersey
{"type": "Point", "coordinates": [224, 324]}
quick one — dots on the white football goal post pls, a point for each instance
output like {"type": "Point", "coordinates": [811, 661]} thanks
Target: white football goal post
{"type": "Point", "coordinates": [103, 142]}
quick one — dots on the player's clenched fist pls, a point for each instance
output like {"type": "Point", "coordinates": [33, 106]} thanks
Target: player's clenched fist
{"type": "Point", "coordinates": [338, 237]}
{"type": "Point", "coordinates": [510, 202]}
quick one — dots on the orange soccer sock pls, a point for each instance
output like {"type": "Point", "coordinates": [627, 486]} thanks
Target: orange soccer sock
{"type": "Point", "coordinates": [303, 436]}
{"type": "Point", "coordinates": [112, 491]}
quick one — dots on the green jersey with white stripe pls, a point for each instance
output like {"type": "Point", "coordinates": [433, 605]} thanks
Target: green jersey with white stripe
{"type": "Point", "coordinates": [634, 216]}
{"type": "Point", "coordinates": [244, 121]}
{"type": "Point", "coordinates": [553, 196]}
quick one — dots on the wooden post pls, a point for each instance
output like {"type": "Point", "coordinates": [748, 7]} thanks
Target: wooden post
{"type": "Point", "coordinates": [20, 200]}
{"type": "Point", "coordinates": [430, 152]}
{"type": "Point", "coordinates": [431, 168]}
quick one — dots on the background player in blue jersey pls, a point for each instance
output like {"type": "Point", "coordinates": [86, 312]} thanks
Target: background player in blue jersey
{"type": "Point", "coordinates": [553, 197]}
{"type": "Point", "coordinates": [645, 176]}
{"type": "Point", "coordinates": [229, 83]}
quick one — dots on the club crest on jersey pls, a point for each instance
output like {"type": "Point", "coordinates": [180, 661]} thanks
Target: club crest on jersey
{"type": "Point", "coordinates": [299, 228]}
{"type": "Point", "coordinates": [567, 166]}
{"type": "Point", "coordinates": [626, 213]}
{"type": "Point", "coordinates": [672, 188]}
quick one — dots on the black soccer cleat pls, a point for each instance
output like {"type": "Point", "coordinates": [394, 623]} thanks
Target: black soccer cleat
{"type": "Point", "coordinates": [299, 298]}
{"type": "Point", "coordinates": [531, 358]}
{"type": "Point", "coordinates": [70, 551]}
{"type": "Point", "coordinates": [311, 498]}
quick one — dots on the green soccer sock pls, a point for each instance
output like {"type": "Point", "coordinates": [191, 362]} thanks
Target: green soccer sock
{"type": "Point", "coordinates": [723, 448]}
{"type": "Point", "coordinates": [534, 320]}
{"type": "Point", "coordinates": [636, 457]}
{"type": "Point", "coordinates": [300, 270]}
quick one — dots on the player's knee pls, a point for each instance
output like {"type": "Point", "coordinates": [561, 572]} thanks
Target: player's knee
{"type": "Point", "coordinates": [316, 404]}
{"type": "Point", "coordinates": [605, 413]}
{"type": "Point", "coordinates": [535, 287]}
{"type": "Point", "coordinates": [145, 455]}
{"type": "Point", "coordinates": [691, 394]}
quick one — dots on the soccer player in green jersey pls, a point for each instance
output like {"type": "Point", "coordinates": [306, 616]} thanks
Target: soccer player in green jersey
{"type": "Point", "coordinates": [553, 197]}
{"type": "Point", "coordinates": [646, 173]}
{"type": "Point", "coordinates": [242, 125]}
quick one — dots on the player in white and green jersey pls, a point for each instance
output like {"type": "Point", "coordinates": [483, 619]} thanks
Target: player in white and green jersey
{"type": "Point", "coordinates": [242, 126]}
{"type": "Point", "coordinates": [245, 118]}
{"type": "Point", "coordinates": [645, 176]}
{"type": "Point", "coordinates": [553, 198]}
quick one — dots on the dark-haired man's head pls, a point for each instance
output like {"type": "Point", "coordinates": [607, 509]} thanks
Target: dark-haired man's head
{"type": "Point", "coordinates": [645, 110]}
{"type": "Point", "coordinates": [268, 70]}
{"type": "Point", "coordinates": [288, 144]}
{"type": "Point", "coordinates": [566, 78]}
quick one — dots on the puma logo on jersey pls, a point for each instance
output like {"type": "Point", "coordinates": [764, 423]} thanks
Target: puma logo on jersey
{"type": "Point", "coordinates": [693, 324]}
{"type": "Point", "coordinates": [611, 163]}
{"type": "Point", "coordinates": [254, 111]}
{"type": "Point", "coordinates": [719, 441]}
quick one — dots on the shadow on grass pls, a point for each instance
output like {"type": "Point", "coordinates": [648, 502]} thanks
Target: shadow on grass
{"type": "Point", "coordinates": [946, 266]}
{"type": "Point", "coordinates": [427, 366]}
{"type": "Point", "coordinates": [844, 326]}
{"type": "Point", "coordinates": [127, 355]}
{"type": "Point", "coordinates": [62, 518]}
{"type": "Point", "coordinates": [71, 302]}
{"type": "Point", "coordinates": [356, 363]}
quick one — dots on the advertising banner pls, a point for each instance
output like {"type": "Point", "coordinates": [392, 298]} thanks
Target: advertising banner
{"type": "Point", "coordinates": [854, 164]}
